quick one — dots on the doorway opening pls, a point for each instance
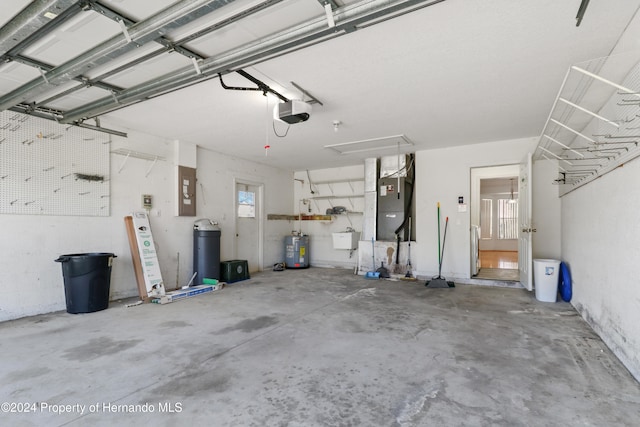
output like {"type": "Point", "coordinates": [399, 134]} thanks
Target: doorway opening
{"type": "Point", "coordinates": [249, 223]}
{"type": "Point", "coordinates": [494, 223]}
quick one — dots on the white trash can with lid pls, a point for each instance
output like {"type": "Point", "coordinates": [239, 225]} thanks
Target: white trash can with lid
{"type": "Point", "coordinates": [546, 274]}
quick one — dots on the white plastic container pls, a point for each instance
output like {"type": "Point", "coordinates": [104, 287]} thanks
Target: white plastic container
{"type": "Point", "coordinates": [546, 274]}
{"type": "Point", "coordinates": [346, 240]}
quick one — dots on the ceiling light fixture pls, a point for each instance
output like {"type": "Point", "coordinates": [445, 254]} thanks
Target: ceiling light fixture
{"type": "Point", "coordinates": [336, 125]}
{"type": "Point", "coordinates": [373, 144]}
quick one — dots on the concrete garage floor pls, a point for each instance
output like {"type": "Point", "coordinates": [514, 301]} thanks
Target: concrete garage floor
{"type": "Point", "coordinates": [318, 347]}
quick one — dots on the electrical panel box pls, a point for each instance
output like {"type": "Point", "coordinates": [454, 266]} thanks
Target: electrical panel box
{"type": "Point", "coordinates": [393, 204]}
{"type": "Point", "coordinates": [147, 201]}
{"type": "Point", "coordinates": [186, 191]}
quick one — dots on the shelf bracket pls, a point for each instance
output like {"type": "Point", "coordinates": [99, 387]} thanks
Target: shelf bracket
{"type": "Point", "coordinates": [124, 162]}
{"type": "Point", "coordinates": [151, 167]}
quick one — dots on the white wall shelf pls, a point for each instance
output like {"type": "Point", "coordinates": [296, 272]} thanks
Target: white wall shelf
{"type": "Point", "coordinates": [338, 181]}
{"type": "Point", "coordinates": [342, 187]}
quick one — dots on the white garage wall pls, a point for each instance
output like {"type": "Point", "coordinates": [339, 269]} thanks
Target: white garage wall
{"type": "Point", "coordinates": [321, 232]}
{"type": "Point", "coordinates": [216, 173]}
{"type": "Point", "coordinates": [32, 283]}
{"type": "Point", "coordinates": [600, 242]}
{"type": "Point", "coordinates": [441, 176]}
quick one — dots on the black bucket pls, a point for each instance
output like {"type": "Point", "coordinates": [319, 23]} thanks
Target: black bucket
{"type": "Point", "coordinates": [87, 278]}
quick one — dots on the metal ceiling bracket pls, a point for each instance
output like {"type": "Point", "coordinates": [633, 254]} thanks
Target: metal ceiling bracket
{"type": "Point", "coordinates": [329, 13]}
{"type": "Point", "coordinates": [332, 3]}
{"type": "Point", "coordinates": [101, 129]}
{"type": "Point", "coordinates": [261, 86]}
{"type": "Point", "coordinates": [50, 114]}
{"type": "Point", "coordinates": [117, 17]}
{"type": "Point", "coordinates": [314, 100]}
{"type": "Point", "coordinates": [194, 61]}
{"type": "Point", "coordinates": [581, 11]}
{"type": "Point", "coordinates": [46, 67]}
{"type": "Point", "coordinates": [44, 76]}
{"type": "Point", "coordinates": [123, 27]}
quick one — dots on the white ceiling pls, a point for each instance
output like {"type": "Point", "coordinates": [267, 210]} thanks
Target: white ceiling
{"type": "Point", "coordinates": [455, 73]}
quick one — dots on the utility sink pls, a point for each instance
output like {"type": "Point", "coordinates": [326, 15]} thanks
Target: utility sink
{"type": "Point", "coordinates": [346, 240]}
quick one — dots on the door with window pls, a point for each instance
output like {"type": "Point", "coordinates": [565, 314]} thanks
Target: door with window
{"type": "Point", "coordinates": [249, 224]}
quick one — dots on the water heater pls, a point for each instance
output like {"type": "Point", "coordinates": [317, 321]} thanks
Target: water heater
{"type": "Point", "coordinates": [296, 251]}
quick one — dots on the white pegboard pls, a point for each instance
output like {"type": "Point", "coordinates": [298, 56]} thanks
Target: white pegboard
{"type": "Point", "coordinates": [51, 169]}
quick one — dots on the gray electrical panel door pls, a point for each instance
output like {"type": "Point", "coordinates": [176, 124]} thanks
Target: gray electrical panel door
{"type": "Point", "coordinates": [186, 191]}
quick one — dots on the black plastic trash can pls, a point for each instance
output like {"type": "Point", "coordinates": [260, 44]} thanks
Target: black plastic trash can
{"type": "Point", "coordinates": [206, 250]}
{"type": "Point", "coordinates": [87, 278]}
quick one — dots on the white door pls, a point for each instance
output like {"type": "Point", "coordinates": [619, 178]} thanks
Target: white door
{"type": "Point", "coordinates": [525, 257]}
{"type": "Point", "coordinates": [249, 224]}
{"type": "Point", "coordinates": [475, 250]}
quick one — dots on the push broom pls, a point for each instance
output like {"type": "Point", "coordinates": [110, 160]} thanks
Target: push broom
{"type": "Point", "coordinates": [439, 281]}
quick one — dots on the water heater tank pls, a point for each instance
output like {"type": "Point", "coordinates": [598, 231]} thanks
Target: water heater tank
{"type": "Point", "coordinates": [296, 251]}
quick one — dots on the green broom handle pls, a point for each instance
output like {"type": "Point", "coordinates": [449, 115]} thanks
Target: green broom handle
{"type": "Point", "coordinates": [438, 232]}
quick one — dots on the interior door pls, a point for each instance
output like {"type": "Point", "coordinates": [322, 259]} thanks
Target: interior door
{"type": "Point", "coordinates": [248, 224]}
{"type": "Point", "coordinates": [525, 254]}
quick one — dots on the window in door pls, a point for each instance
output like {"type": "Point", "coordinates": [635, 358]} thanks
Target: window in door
{"type": "Point", "coordinates": [246, 204]}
